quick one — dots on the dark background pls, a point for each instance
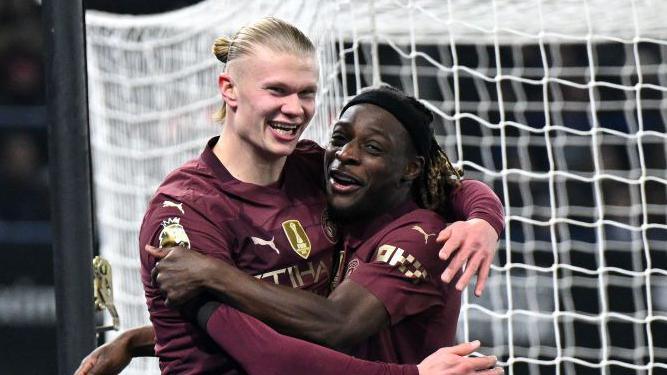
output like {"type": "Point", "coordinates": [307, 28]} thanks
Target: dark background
{"type": "Point", "coordinates": [27, 304]}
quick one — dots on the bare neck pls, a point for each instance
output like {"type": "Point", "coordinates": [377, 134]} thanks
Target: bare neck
{"type": "Point", "coordinates": [245, 163]}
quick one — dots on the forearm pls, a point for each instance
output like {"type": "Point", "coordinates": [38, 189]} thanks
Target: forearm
{"type": "Point", "coordinates": [140, 341]}
{"type": "Point", "coordinates": [317, 319]}
{"type": "Point", "coordinates": [261, 350]}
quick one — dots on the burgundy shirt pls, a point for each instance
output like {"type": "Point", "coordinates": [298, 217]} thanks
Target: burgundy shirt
{"type": "Point", "coordinates": [276, 233]}
{"type": "Point", "coordinates": [279, 234]}
{"type": "Point", "coordinates": [395, 257]}
{"type": "Point", "coordinates": [423, 311]}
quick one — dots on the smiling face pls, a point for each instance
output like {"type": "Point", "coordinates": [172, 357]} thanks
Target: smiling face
{"type": "Point", "coordinates": [272, 97]}
{"type": "Point", "coordinates": [370, 163]}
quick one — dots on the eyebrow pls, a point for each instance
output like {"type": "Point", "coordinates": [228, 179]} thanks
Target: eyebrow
{"type": "Point", "coordinates": [289, 86]}
{"type": "Point", "coordinates": [379, 131]}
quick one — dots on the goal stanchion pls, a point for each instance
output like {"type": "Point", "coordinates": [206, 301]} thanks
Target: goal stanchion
{"type": "Point", "coordinates": [70, 181]}
{"type": "Point", "coordinates": [557, 105]}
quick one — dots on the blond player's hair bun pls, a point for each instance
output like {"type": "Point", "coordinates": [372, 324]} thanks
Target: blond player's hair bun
{"type": "Point", "coordinates": [221, 48]}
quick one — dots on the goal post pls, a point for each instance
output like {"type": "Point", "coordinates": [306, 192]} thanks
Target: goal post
{"type": "Point", "coordinates": [69, 180]}
{"type": "Point", "coordinates": [560, 106]}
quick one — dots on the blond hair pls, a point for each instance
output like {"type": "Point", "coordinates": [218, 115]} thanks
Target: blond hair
{"type": "Point", "coordinates": [270, 32]}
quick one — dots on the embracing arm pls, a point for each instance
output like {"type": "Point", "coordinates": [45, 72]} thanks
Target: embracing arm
{"type": "Point", "coordinates": [114, 356]}
{"type": "Point", "coordinates": [348, 316]}
{"type": "Point", "coordinates": [261, 350]}
{"type": "Point", "coordinates": [475, 200]}
{"type": "Point", "coordinates": [473, 241]}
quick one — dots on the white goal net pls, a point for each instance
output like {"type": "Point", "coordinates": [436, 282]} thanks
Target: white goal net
{"type": "Point", "coordinates": [559, 105]}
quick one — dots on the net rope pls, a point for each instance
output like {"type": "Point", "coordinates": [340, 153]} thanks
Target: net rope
{"type": "Point", "coordinates": [560, 106]}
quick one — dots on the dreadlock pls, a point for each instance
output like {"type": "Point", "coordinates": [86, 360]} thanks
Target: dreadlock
{"type": "Point", "coordinates": [438, 179]}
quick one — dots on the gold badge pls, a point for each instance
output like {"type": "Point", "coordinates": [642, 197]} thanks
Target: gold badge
{"type": "Point", "coordinates": [297, 237]}
{"type": "Point", "coordinates": [173, 234]}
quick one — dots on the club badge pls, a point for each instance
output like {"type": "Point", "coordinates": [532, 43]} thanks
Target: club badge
{"type": "Point", "coordinates": [297, 237]}
{"type": "Point", "coordinates": [329, 227]}
{"type": "Point", "coordinates": [173, 234]}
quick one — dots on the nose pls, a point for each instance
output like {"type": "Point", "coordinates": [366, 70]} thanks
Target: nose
{"type": "Point", "coordinates": [349, 153]}
{"type": "Point", "coordinates": [292, 106]}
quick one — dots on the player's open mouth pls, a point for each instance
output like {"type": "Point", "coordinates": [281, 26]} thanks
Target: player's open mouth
{"type": "Point", "coordinates": [283, 129]}
{"type": "Point", "coordinates": [342, 182]}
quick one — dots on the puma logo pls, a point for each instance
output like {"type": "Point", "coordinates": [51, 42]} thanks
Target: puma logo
{"type": "Point", "coordinates": [423, 233]}
{"type": "Point", "coordinates": [269, 243]}
{"type": "Point", "coordinates": [179, 206]}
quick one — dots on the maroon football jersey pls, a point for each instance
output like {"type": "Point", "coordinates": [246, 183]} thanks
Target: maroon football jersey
{"type": "Point", "coordinates": [277, 233]}
{"type": "Point", "coordinates": [395, 257]}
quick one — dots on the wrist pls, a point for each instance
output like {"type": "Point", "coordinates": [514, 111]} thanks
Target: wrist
{"type": "Point", "coordinates": [216, 277]}
{"type": "Point", "coordinates": [489, 227]}
{"type": "Point", "coordinates": [204, 313]}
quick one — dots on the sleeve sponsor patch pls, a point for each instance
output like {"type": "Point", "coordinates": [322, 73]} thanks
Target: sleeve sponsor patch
{"type": "Point", "coordinates": [173, 234]}
{"type": "Point", "coordinates": [405, 263]}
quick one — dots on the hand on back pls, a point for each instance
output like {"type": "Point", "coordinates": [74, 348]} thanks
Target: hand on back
{"type": "Point", "coordinates": [472, 243]}
{"type": "Point", "coordinates": [454, 360]}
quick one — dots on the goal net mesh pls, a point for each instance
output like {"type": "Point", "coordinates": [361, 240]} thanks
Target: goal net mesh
{"type": "Point", "coordinates": [560, 106]}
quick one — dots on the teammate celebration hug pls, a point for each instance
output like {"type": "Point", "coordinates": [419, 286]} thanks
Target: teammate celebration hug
{"type": "Point", "coordinates": [280, 258]}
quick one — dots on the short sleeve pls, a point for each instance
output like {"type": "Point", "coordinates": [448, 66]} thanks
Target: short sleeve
{"type": "Point", "coordinates": [171, 221]}
{"type": "Point", "coordinates": [475, 200]}
{"type": "Point", "coordinates": [404, 272]}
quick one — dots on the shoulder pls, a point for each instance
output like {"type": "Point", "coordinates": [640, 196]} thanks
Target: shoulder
{"type": "Point", "coordinates": [191, 177]}
{"type": "Point", "coordinates": [193, 183]}
{"type": "Point", "coordinates": [416, 226]}
{"type": "Point", "coordinates": [192, 192]}
{"type": "Point", "coordinates": [411, 240]}
{"type": "Point", "coordinates": [468, 186]}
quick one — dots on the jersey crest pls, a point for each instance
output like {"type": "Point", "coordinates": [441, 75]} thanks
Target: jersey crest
{"type": "Point", "coordinates": [329, 227]}
{"type": "Point", "coordinates": [297, 237]}
{"type": "Point", "coordinates": [173, 234]}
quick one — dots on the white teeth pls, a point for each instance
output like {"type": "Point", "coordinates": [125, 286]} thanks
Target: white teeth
{"type": "Point", "coordinates": [284, 129]}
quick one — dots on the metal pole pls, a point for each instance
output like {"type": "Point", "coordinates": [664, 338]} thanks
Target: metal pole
{"type": "Point", "coordinates": [70, 179]}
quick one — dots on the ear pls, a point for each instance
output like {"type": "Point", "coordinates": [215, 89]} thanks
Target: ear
{"type": "Point", "coordinates": [413, 169]}
{"type": "Point", "coordinates": [227, 89]}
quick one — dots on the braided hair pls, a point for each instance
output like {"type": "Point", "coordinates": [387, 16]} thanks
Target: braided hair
{"type": "Point", "coordinates": [438, 179]}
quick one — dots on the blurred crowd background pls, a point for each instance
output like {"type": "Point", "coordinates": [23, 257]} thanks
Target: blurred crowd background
{"type": "Point", "coordinates": [27, 303]}
{"type": "Point", "coordinates": [27, 308]}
